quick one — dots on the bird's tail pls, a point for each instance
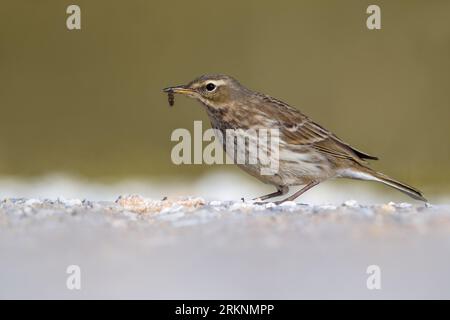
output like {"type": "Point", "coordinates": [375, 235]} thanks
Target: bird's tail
{"type": "Point", "coordinates": [368, 174]}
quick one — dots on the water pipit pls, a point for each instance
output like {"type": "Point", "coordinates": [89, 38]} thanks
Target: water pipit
{"type": "Point", "coordinates": [308, 153]}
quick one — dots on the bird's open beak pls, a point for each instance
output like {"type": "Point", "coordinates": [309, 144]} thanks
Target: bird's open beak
{"type": "Point", "coordinates": [179, 89]}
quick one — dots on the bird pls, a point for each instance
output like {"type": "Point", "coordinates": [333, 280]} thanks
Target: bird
{"type": "Point", "coordinates": [308, 154]}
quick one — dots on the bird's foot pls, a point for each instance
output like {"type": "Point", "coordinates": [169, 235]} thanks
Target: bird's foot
{"type": "Point", "coordinates": [260, 203]}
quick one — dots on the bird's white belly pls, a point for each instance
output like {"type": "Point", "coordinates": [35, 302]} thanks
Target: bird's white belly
{"type": "Point", "coordinates": [278, 164]}
{"type": "Point", "coordinates": [302, 165]}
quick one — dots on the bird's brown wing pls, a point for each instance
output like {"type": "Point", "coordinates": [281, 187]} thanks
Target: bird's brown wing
{"type": "Point", "coordinates": [312, 134]}
{"type": "Point", "coordinates": [296, 128]}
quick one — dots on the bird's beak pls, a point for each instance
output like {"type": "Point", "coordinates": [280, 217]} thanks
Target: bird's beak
{"type": "Point", "coordinates": [179, 89]}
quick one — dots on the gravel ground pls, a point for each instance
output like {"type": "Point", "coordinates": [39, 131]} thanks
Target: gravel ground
{"type": "Point", "coordinates": [189, 248]}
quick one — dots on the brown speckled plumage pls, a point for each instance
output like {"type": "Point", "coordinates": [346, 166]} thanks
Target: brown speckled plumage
{"type": "Point", "coordinates": [309, 153]}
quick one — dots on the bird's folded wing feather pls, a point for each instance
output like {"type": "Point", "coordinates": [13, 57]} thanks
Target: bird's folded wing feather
{"type": "Point", "coordinates": [298, 129]}
{"type": "Point", "coordinates": [310, 133]}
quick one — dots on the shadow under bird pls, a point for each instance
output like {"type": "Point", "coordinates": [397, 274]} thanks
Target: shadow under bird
{"type": "Point", "coordinates": [308, 153]}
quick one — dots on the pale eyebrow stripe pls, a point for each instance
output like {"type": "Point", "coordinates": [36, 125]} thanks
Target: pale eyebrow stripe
{"type": "Point", "coordinates": [215, 82]}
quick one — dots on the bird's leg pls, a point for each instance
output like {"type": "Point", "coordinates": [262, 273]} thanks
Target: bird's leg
{"type": "Point", "coordinates": [298, 193]}
{"type": "Point", "coordinates": [280, 191]}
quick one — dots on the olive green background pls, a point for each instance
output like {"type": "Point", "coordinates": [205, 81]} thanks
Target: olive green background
{"type": "Point", "coordinates": [89, 102]}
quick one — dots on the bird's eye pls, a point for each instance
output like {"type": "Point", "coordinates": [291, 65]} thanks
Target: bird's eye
{"type": "Point", "coordinates": [210, 86]}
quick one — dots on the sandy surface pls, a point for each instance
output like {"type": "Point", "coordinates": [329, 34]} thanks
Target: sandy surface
{"type": "Point", "coordinates": [191, 248]}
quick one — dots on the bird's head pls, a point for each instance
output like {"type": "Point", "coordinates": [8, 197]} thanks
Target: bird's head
{"type": "Point", "coordinates": [213, 90]}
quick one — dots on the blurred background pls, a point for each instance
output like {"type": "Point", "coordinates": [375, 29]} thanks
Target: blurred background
{"type": "Point", "coordinates": [87, 104]}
